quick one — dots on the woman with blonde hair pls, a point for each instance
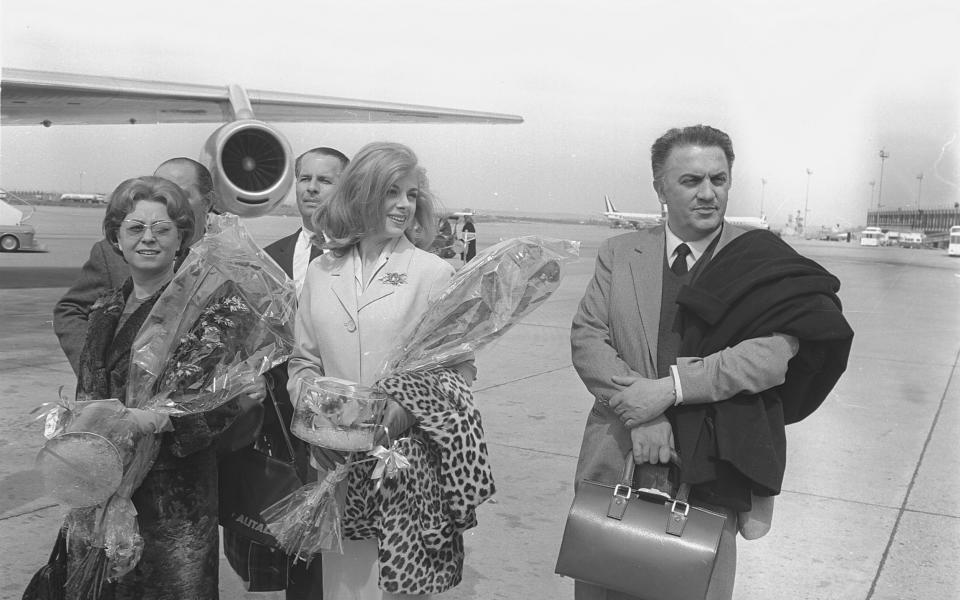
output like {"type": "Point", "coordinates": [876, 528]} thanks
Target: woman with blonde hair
{"type": "Point", "coordinates": [357, 300]}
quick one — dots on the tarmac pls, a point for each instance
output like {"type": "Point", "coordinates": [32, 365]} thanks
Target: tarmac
{"type": "Point", "coordinates": [871, 502]}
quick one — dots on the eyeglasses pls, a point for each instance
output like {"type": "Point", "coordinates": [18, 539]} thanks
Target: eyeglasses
{"type": "Point", "coordinates": [136, 229]}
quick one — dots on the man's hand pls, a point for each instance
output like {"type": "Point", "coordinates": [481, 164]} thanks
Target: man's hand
{"type": "Point", "coordinates": [652, 441]}
{"type": "Point", "coordinates": [642, 399]}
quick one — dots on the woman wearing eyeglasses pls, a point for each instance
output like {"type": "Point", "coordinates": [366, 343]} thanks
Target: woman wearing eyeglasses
{"type": "Point", "coordinates": [150, 223]}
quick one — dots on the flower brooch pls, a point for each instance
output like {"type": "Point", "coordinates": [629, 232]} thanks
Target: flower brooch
{"type": "Point", "coordinates": [394, 278]}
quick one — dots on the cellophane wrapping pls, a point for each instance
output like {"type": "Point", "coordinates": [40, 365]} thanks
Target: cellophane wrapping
{"type": "Point", "coordinates": [307, 522]}
{"type": "Point", "coordinates": [97, 454]}
{"type": "Point", "coordinates": [225, 318]}
{"type": "Point", "coordinates": [500, 286]}
{"type": "Point", "coordinates": [485, 298]}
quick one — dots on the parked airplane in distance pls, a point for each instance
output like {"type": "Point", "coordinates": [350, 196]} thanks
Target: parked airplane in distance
{"type": "Point", "coordinates": [639, 220]}
{"type": "Point", "coordinates": [250, 160]}
{"type": "Point", "coordinates": [749, 222]}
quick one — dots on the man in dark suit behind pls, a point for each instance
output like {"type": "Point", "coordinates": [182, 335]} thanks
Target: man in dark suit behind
{"type": "Point", "coordinates": [317, 174]}
{"type": "Point", "coordinates": [106, 269]}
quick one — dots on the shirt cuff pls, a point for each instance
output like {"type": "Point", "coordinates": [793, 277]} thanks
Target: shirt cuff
{"type": "Point", "coordinates": [677, 388]}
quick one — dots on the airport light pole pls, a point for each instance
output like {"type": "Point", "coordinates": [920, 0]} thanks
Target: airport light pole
{"type": "Point", "coordinates": [872, 184]}
{"type": "Point", "coordinates": [806, 202]}
{"type": "Point", "coordinates": [884, 155]}
{"type": "Point", "coordinates": [763, 185]}
{"type": "Point", "coordinates": [919, 188]}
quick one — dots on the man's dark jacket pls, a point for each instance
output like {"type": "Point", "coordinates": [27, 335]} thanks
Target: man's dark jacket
{"type": "Point", "coordinates": [755, 286]}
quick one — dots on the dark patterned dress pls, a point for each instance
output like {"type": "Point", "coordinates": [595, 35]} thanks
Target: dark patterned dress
{"type": "Point", "coordinates": [177, 501]}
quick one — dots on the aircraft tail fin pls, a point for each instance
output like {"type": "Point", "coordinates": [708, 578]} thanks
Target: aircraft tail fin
{"type": "Point", "coordinates": [609, 204]}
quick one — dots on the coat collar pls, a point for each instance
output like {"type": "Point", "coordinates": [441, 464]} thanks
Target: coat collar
{"type": "Point", "coordinates": [394, 273]}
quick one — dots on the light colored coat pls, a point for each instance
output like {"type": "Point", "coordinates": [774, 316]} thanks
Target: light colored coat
{"type": "Point", "coordinates": [615, 332]}
{"type": "Point", "coordinates": [342, 334]}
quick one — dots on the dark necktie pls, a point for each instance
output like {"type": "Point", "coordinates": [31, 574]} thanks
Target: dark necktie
{"type": "Point", "coordinates": [679, 266]}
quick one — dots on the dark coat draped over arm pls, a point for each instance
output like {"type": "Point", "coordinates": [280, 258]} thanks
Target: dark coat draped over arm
{"type": "Point", "coordinates": [755, 286]}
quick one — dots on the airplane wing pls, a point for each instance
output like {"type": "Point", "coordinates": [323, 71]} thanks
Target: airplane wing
{"type": "Point", "coordinates": [42, 97]}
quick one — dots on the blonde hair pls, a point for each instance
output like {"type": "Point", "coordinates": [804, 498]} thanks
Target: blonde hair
{"type": "Point", "coordinates": [357, 209]}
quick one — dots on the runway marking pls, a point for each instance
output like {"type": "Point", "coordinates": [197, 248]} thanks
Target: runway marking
{"type": "Point", "coordinates": [531, 376]}
{"type": "Point", "coordinates": [913, 480]}
{"type": "Point", "coordinates": [13, 515]}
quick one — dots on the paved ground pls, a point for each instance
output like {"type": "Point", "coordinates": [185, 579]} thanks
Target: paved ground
{"type": "Point", "coordinates": [871, 501]}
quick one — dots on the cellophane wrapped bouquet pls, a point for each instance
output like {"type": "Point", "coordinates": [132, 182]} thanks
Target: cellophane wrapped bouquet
{"type": "Point", "coordinates": [97, 453]}
{"type": "Point", "coordinates": [225, 318]}
{"type": "Point", "coordinates": [485, 298]}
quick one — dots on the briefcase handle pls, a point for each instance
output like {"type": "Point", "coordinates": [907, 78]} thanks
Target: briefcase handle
{"type": "Point", "coordinates": [626, 481]}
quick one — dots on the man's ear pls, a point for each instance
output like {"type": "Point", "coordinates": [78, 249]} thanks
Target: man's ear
{"type": "Point", "coordinates": [657, 185]}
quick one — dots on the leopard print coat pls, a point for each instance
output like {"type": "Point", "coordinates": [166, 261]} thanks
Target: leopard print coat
{"type": "Point", "coordinates": [419, 517]}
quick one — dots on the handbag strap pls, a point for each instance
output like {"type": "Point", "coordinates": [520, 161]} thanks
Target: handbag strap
{"type": "Point", "coordinates": [283, 427]}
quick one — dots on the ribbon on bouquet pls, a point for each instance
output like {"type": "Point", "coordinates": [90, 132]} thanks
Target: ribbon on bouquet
{"type": "Point", "coordinates": [50, 413]}
{"type": "Point", "coordinates": [390, 461]}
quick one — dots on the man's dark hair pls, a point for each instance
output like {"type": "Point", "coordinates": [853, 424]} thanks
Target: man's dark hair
{"type": "Point", "coordinates": [323, 151]}
{"type": "Point", "coordinates": [694, 135]}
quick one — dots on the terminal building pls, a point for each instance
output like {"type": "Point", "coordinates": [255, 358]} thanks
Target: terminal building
{"type": "Point", "coordinates": [934, 223]}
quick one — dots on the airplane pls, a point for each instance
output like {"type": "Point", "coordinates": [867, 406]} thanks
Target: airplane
{"type": "Point", "coordinates": [637, 220]}
{"type": "Point", "coordinates": [749, 222]}
{"type": "Point", "coordinates": [249, 159]}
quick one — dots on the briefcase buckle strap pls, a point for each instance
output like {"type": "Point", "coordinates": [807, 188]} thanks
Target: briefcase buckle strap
{"type": "Point", "coordinates": [619, 501]}
{"type": "Point", "coordinates": [677, 519]}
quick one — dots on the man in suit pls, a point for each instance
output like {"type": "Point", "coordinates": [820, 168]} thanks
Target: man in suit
{"type": "Point", "coordinates": [106, 269]}
{"type": "Point", "coordinates": [630, 335]}
{"type": "Point", "coordinates": [317, 174]}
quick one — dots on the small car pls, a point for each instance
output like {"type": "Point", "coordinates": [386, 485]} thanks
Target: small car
{"type": "Point", "coordinates": [17, 237]}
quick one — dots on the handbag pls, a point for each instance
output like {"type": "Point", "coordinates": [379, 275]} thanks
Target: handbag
{"type": "Point", "coordinates": [48, 582]}
{"type": "Point", "coordinates": [252, 479]}
{"type": "Point", "coordinates": [640, 541]}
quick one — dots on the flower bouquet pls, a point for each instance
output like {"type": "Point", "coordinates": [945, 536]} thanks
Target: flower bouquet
{"type": "Point", "coordinates": [499, 287]}
{"type": "Point", "coordinates": [96, 455]}
{"type": "Point", "coordinates": [226, 317]}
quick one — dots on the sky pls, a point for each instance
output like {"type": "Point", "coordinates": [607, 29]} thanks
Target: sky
{"type": "Point", "coordinates": [808, 85]}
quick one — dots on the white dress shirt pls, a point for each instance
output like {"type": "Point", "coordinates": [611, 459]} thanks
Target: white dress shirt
{"type": "Point", "coordinates": [697, 248]}
{"type": "Point", "coordinates": [301, 258]}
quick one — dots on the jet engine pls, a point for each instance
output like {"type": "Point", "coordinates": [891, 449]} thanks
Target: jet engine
{"type": "Point", "coordinates": [251, 165]}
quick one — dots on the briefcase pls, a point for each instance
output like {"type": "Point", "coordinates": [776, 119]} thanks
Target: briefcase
{"type": "Point", "coordinates": [640, 541]}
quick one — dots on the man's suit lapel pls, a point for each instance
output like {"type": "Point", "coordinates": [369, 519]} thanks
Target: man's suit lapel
{"type": "Point", "coordinates": [282, 252]}
{"type": "Point", "coordinates": [646, 267]}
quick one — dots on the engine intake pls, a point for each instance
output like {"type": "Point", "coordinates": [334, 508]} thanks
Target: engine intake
{"type": "Point", "coordinates": [251, 165]}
